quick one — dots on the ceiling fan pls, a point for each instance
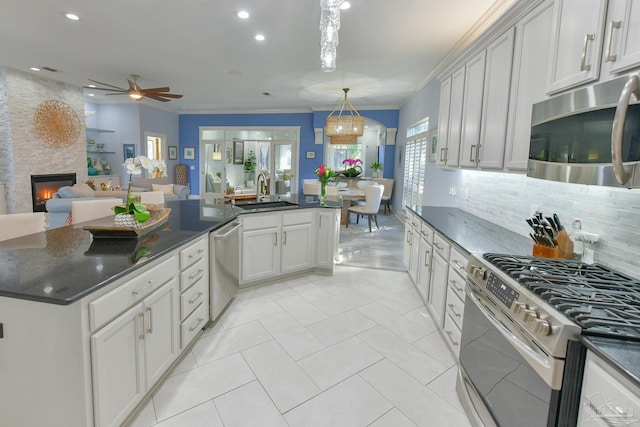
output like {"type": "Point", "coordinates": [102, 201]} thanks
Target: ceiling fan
{"type": "Point", "coordinates": [136, 92]}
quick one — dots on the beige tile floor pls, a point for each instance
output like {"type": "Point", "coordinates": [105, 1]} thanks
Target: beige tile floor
{"type": "Point", "coordinates": [354, 349]}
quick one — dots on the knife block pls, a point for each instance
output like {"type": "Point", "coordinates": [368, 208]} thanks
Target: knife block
{"type": "Point", "coordinates": [546, 251]}
{"type": "Point", "coordinates": [564, 249]}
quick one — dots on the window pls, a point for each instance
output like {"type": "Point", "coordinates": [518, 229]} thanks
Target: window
{"type": "Point", "coordinates": [155, 146]}
{"type": "Point", "coordinates": [415, 160]}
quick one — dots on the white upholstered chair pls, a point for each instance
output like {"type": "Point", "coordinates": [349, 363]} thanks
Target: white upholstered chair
{"type": "Point", "coordinates": [86, 210]}
{"type": "Point", "coordinates": [372, 195]}
{"type": "Point", "coordinates": [313, 188]}
{"type": "Point", "coordinates": [364, 183]}
{"type": "Point", "coordinates": [21, 224]}
{"type": "Point", "coordinates": [388, 190]}
{"type": "Point", "coordinates": [153, 197]}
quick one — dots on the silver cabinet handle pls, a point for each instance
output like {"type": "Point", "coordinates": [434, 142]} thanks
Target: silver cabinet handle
{"type": "Point", "coordinates": [196, 298]}
{"type": "Point", "coordinates": [437, 246]}
{"type": "Point", "coordinates": [141, 316]}
{"type": "Point", "coordinates": [276, 239]}
{"type": "Point", "coordinates": [473, 148]}
{"type": "Point", "coordinates": [198, 253]}
{"type": "Point", "coordinates": [452, 307]}
{"type": "Point", "coordinates": [617, 131]}
{"type": "Point", "coordinates": [458, 265]}
{"type": "Point", "coordinates": [450, 335]}
{"type": "Point", "coordinates": [194, 327]}
{"type": "Point", "coordinates": [149, 283]}
{"type": "Point", "coordinates": [453, 283]}
{"type": "Point", "coordinates": [150, 311]}
{"type": "Point", "coordinates": [583, 64]}
{"type": "Point", "coordinates": [284, 238]}
{"type": "Point", "coordinates": [609, 57]}
{"type": "Point", "coordinates": [443, 154]}
{"type": "Point", "coordinates": [196, 274]}
{"type": "Point", "coordinates": [426, 258]}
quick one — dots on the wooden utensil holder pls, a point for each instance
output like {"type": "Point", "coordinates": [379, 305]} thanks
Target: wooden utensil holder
{"type": "Point", "coordinates": [564, 249]}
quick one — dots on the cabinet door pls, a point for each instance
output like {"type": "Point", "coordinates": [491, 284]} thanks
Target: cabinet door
{"type": "Point", "coordinates": [406, 249]}
{"type": "Point", "coordinates": [622, 50]}
{"type": "Point", "coordinates": [472, 115]}
{"type": "Point", "coordinates": [455, 117]}
{"type": "Point", "coordinates": [438, 295]}
{"type": "Point", "coordinates": [296, 248]}
{"type": "Point", "coordinates": [413, 256]}
{"type": "Point", "coordinates": [424, 267]}
{"type": "Point", "coordinates": [161, 327]}
{"type": "Point", "coordinates": [325, 242]}
{"type": "Point", "coordinates": [533, 34]}
{"type": "Point", "coordinates": [578, 27]}
{"type": "Point", "coordinates": [118, 365]}
{"type": "Point", "coordinates": [495, 107]}
{"type": "Point", "coordinates": [443, 121]}
{"type": "Point", "coordinates": [260, 254]}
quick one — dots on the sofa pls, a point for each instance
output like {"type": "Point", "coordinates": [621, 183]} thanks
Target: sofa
{"type": "Point", "coordinates": [59, 206]}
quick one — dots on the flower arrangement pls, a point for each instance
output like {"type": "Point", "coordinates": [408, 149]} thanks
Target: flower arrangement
{"type": "Point", "coordinates": [354, 169]}
{"type": "Point", "coordinates": [133, 165]}
{"type": "Point", "coordinates": [325, 173]}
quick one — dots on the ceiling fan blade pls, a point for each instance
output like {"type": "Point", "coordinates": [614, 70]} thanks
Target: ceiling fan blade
{"type": "Point", "coordinates": [104, 88]}
{"type": "Point", "coordinates": [105, 84]}
{"type": "Point", "coordinates": [167, 95]}
{"type": "Point", "coordinates": [157, 98]}
{"type": "Point", "coordinates": [126, 92]}
{"type": "Point", "coordinates": [155, 89]}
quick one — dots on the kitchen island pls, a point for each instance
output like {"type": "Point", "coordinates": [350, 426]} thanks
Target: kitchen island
{"type": "Point", "coordinates": [90, 326]}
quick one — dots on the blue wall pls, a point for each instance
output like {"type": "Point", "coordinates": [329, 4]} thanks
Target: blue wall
{"type": "Point", "coordinates": [190, 123]}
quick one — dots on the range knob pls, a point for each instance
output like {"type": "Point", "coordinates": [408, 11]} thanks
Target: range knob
{"type": "Point", "coordinates": [519, 307]}
{"type": "Point", "coordinates": [542, 327]}
{"type": "Point", "coordinates": [530, 315]}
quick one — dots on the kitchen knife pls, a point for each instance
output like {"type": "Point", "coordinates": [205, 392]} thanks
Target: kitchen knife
{"type": "Point", "coordinates": [530, 222]}
{"type": "Point", "coordinates": [552, 223]}
{"type": "Point", "coordinates": [556, 218]}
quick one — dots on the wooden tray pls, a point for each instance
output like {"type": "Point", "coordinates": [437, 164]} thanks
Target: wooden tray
{"type": "Point", "coordinates": [104, 231]}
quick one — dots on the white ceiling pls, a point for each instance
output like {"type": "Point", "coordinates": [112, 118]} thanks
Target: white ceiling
{"type": "Point", "coordinates": [201, 49]}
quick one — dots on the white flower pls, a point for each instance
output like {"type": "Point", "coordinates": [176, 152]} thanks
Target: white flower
{"type": "Point", "coordinates": [132, 165]}
{"type": "Point", "coordinates": [154, 167]}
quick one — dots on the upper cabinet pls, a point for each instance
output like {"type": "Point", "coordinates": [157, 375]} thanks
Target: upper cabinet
{"type": "Point", "coordinates": [622, 42]}
{"type": "Point", "coordinates": [578, 33]}
{"type": "Point", "coordinates": [472, 114]}
{"type": "Point", "coordinates": [450, 131]}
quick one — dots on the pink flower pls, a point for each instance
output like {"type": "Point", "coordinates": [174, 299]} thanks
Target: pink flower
{"type": "Point", "coordinates": [351, 162]}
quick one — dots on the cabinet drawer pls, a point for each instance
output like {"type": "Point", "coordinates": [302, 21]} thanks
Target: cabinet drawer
{"type": "Point", "coordinates": [193, 324]}
{"type": "Point", "coordinates": [452, 335]}
{"type": "Point", "coordinates": [441, 246]}
{"type": "Point", "coordinates": [416, 221]}
{"type": "Point", "coordinates": [193, 253]}
{"type": "Point", "coordinates": [456, 282]}
{"type": "Point", "coordinates": [259, 221]}
{"type": "Point", "coordinates": [108, 306]}
{"type": "Point", "coordinates": [455, 307]}
{"type": "Point", "coordinates": [193, 297]}
{"type": "Point", "coordinates": [458, 260]}
{"type": "Point", "coordinates": [304, 216]}
{"type": "Point", "coordinates": [193, 274]}
{"type": "Point", "coordinates": [427, 232]}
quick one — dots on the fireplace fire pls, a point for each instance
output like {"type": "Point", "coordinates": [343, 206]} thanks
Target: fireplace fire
{"type": "Point", "coordinates": [44, 186]}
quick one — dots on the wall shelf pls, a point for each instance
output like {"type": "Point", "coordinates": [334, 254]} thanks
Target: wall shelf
{"type": "Point", "coordinates": [100, 130]}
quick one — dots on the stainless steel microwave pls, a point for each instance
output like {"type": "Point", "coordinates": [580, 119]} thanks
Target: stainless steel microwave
{"type": "Point", "coordinates": [589, 136]}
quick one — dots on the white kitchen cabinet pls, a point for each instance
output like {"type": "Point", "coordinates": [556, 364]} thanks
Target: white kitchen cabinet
{"type": "Point", "coordinates": [452, 150]}
{"type": "Point", "coordinates": [622, 40]}
{"type": "Point", "coordinates": [296, 248]}
{"type": "Point", "coordinates": [495, 106]}
{"type": "Point", "coordinates": [578, 32]}
{"type": "Point", "coordinates": [607, 398]}
{"type": "Point", "coordinates": [472, 110]}
{"type": "Point", "coordinates": [194, 287]}
{"type": "Point", "coordinates": [528, 81]}
{"type": "Point", "coordinates": [424, 270]}
{"type": "Point", "coordinates": [326, 236]}
{"type": "Point", "coordinates": [438, 296]}
{"type": "Point", "coordinates": [443, 121]}
{"type": "Point", "coordinates": [412, 244]}
{"type": "Point", "coordinates": [132, 352]}
{"type": "Point", "coordinates": [260, 254]}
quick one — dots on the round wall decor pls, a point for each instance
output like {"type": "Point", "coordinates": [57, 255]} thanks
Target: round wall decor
{"type": "Point", "coordinates": [57, 123]}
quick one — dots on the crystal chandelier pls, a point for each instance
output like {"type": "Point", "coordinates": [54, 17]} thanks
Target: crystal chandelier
{"type": "Point", "coordinates": [346, 126]}
{"type": "Point", "coordinates": [329, 26]}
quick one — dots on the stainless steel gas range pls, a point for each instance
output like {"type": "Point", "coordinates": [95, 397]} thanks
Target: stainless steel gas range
{"type": "Point", "coordinates": [520, 360]}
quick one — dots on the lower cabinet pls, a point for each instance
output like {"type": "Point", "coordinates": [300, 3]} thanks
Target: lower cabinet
{"type": "Point", "coordinates": [132, 352]}
{"type": "Point", "coordinates": [327, 226]}
{"type": "Point", "coordinates": [438, 296]}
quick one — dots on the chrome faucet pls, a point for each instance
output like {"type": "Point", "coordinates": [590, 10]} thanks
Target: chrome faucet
{"type": "Point", "coordinates": [261, 187]}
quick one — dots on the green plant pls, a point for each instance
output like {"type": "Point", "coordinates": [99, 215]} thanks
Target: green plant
{"type": "Point", "coordinates": [250, 162]}
{"type": "Point", "coordinates": [376, 166]}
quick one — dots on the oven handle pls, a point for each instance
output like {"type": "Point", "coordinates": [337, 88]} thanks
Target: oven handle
{"type": "Point", "coordinates": [539, 363]}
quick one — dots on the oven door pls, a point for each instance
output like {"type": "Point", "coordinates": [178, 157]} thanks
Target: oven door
{"type": "Point", "coordinates": [504, 370]}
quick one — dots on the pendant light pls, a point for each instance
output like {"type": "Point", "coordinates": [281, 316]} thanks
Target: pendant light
{"type": "Point", "coordinates": [347, 125]}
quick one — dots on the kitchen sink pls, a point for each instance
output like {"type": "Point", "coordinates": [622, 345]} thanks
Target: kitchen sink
{"type": "Point", "coordinates": [262, 206]}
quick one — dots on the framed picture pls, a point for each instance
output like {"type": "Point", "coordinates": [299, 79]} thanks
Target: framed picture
{"type": "Point", "coordinates": [311, 154]}
{"type": "Point", "coordinates": [129, 151]}
{"type": "Point", "coordinates": [238, 152]}
{"type": "Point", "coordinates": [433, 144]}
{"type": "Point", "coordinates": [189, 153]}
{"type": "Point", "coordinates": [173, 152]}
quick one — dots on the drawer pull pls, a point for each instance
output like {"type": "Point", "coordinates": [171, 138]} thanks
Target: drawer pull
{"type": "Point", "coordinates": [198, 253]}
{"type": "Point", "coordinates": [453, 285]}
{"type": "Point", "coordinates": [458, 265]}
{"type": "Point", "coordinates": [452, 307]}
{"type": "Point", "coordinates": [151, 282]}
{"type": "Point", "coordinates": [194, 327]}
{"type": "Point", "coordinates": [437, 246]}
{"type": "Point", "coordinates": [196, 298]}
{"type": "Point", "coordinates": [427, 259]}
{"type": "Point", "coordinates": [141, 315]}
{"type": "Point", "coordinates": [449, 334]}
{"type": "Point", "coordinates": [196, 274]}
{"type": "Point", "coordinates": [583, 64]}
{"type": "Point", "coordinates": [150, 311]}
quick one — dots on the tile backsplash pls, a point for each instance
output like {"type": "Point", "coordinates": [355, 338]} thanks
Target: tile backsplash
{"type": "Point", "coordinates": [613, 213]}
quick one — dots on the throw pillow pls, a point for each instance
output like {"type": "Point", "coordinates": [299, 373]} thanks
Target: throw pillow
{"type": "Point", "coordinates": [77, 190]}
{"type": "Point", "coordinates": [167, 189]}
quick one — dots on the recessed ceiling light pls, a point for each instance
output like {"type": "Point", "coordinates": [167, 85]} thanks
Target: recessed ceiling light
{"type": "Point", "coordinates": [35, 68]}
{"type": "Point", "coordinates": [91, 85]}
{"type": "Point", "coordinates": [91, 94]}
{"type": "Point", "coordinates": [259, 37]}
{"type": "Point", "coordinates": [243, 14]}
{"type": "Point", "coordinates": [72, 16]}
{"type": "Point", "coordinates": [345, 5]}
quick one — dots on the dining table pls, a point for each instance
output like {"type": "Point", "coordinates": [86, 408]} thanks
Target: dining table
{"type": "Point", "coordinates": [349, 195]}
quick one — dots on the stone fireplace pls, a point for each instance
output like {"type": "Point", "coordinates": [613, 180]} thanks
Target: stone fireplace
{"type": "Point", "coordinates": [44, 186]}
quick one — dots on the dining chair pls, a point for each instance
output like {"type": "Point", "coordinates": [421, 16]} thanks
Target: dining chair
{"type": "Point", "coordinates": [153, 197]}
{"type": "Point", "coordinates": [86, 210]}
{"type": "Point", "coordinates": [372, 195]}
{"type": "Point", "coordinates": [21, 224]}
{"type": "Point", "coordinates": [388, 190]}
{"type": "Point", "coordinates": [311, 187]}
{"type": "Point", "coordinates": [363, 183]}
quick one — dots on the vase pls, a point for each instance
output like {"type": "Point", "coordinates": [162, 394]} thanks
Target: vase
{"type": "Point", "coordinates": [323, 192]}
{"type": "Point", "coordinates": [126, 220]}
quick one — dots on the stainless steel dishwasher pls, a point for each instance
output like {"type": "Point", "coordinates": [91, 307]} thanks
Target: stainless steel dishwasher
{"type": "Point", "coordinates": [224, 255]}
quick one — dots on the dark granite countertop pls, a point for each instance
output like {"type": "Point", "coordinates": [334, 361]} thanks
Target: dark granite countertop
{"type": "Point", "coordinates": [623, 355]}
{"type": "Point", "coordinates": [63, 265]}
{"type": "Point", "coordinates": [471, 233]}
